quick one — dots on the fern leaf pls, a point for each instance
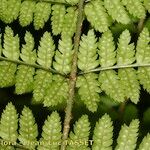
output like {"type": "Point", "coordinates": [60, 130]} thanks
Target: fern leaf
{"type": "Point", "coordinates": [125, 51]}
{"type": "Point", "coordinates": [11, 44]}
{"type": "Point", "coordinates": [10, 51]}
{"type": "Point", "coordinates": [51, 133]}
{"type": "Point", "coordinates": [7, 72]}
{"type": "Point", "coordinates": [24, 76]}
{"type": "Point", "coordinates": [63, 56]}
{"type": "Point", "coordinates": [147, 5]}
{"type": "Point", "coordinates": [89, 90]}
{"type": "Point", "coordinates": [110, 83]}
{"type": "Point", "coordinates": [42, 81]}
{"type": "Point", "coordinates": [103, 133]}
{"type": "Point", "coordinates": [46, 50]}
{"type": "Point", "coordinates": [130, 84]}
{"type": "Point", "coordinates": [117, 11]}
{"type": "Point", "coordinates": [1, 44]}
{"type": "Point", "coordinates": [145, 144]}
{"type": "Point", "coordinates": [135, 8]}
{"type": "Point", "coordinates": [28, 128]}
{"type": "Point", "coordinates": [26, 12]}
{"type": "Point", "coordinates": [97, 16]}
{"type": "Point", "coordinates": [9, 10]}
{"type": "Point", "coordinates": [41, 14]}
{"type": "Point", "coordinates": [57, 92]}
{"type": "Point", "coordinates": [57, 18]}
{"type": "Point", "coordinates": [144, 77]}
{"type": "Point", "coordinates": [143, 57]}
{"type": "Point", "coordinates": [128, 77]}
{"type": "Point", "coordinates": [80, 134]}
{"type": "Point", "coordinates": [69, 23]}
{"type": "Point", "coordinates": [128, 136]}
{"type": "Point", "coordinates": [87, 52]}
{"type": "Point", "coordinates": [9, 124]}
{"type": "Point", "coordinates": [107, 50]}
{"type": "Point", "coordinates": [143, 49]}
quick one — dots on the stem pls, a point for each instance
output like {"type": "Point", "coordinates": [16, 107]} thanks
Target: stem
{"type": "Point", "coordinates": [140, 25]}
{"type": "Point", "coordinates": [115, 67]}
{"type": "Point", "coordinates": [51, 1]}
{"type": "Point", "coordinates": [73, 76]}
{"type": "Point", "coordinates": [31, 65]}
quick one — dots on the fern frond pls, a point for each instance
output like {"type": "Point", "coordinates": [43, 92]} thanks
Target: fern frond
{"type": "Point", "coordinates": [24, 76]}
{"type": "Point", "coordinates": [109, 80]}
{"type": "Point", "coordinates": [42, 81]}
{"type": "Point", "coordinates": [57, 18]}
{"type": "Point", "coordinates": [57, 91]}
{"type": "Point", "coordinates": [28, 128]}
{"type": "Point", "coordinates": [69, 23]}
{"type": "Point", "coordinates": [128, 136]}
{"type": "Point", "coordinates": [128, 77]}
{"type": "Point", "coordinates": [107, 51]}
{"type": "Point", "coordinates": [80, 134]}
{"type": "Point", "coordinates": [117, 11]}
{"type": "Point", "coordinates": [72, 2]}
{"type": "Point", "coordinates": [103, 134]}
{"type": "Point", "coordinates": [9, 10]}
{"type": "Point", "coordinates": [9, 124]}
{"type": "Point", "coordinates": [10, 51]}
{"type": "Point", "coordinates": [89, 90]}
{"type": "Point", "coordinates": [41, 14]}
{"type": "Point", "coordinates": [135, 8]}
{"type": "Point", "coordinates": [87, 56]}
{"type": "Point", "coordinates": [46, 50]}
{"type": "Point", "coordinates": [143, 48]}
{"type": "Point", "coordinates": [143, 56]}
{"type": "Point", "coordinates": [110, 83]}
{"type": "Point", "coordinates": [26, 12]}
{"type": "Point", "coordinates": [145, 144]}
{"type": "Point", "coordinates": [63, 56]}
{"type": "Point", "coordinates": [97, 16]}
{"type": "Point", "coordinates": [51, 133]}
{"type": "Point", "coordinates": [11, 44]}
{"type": "Point", "coordinates": [147, 5]}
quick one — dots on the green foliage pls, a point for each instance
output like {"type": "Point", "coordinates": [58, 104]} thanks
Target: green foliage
{"type": "Point", "coordinates": [41, 14]}
{"type": "Point", "coordinates": [26, 12]}
{"type": "Point", "coordinates": [87, 52]}
{"type": "Point", "coordinates": [63, 66]}
{"type": "Point", "coordinates": [9, 10]}
{"type": "Point", "coordinates": [69, 23]}
{"type": "Point", "coordinates": [9, 124]}
{"type": "Point", "coordinates": [51, 133]}
{"type": "Point", "coordinates": [135, 8]}
{"type": "Point", "coordinates": [145, 144]}
{"type": "Point", "coordinates": [28, 128]}
{"type": "Point", "coordinates": [57, 91]}
{"type": "Point", "coordinates": [119, 85]}
{"type": "Point", "coordinates": [89, 90]}
{"type": "Point", "coordinates": [24, 77]}
{"type": "Point", "coordinates": [117, 11]}
{"type": "Point", "coordinates": [103, 133]}
{"type": "Point", "coordinates": [147, 5]}
{"type": "Point", "coordinates": [80, 134]}
{"type": "Point", "coordinates": [143, 56]}
{"type": "Point", "coordinates": [10, 51]}
{"type": "Point", "coordinates": [128, 136]}
{"type": "Point", "coordinates": [63, 56]}
{"type": "Point", "coordinates": [57, 18]}
{"type": "Point", "coordinates": [99, 19]}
